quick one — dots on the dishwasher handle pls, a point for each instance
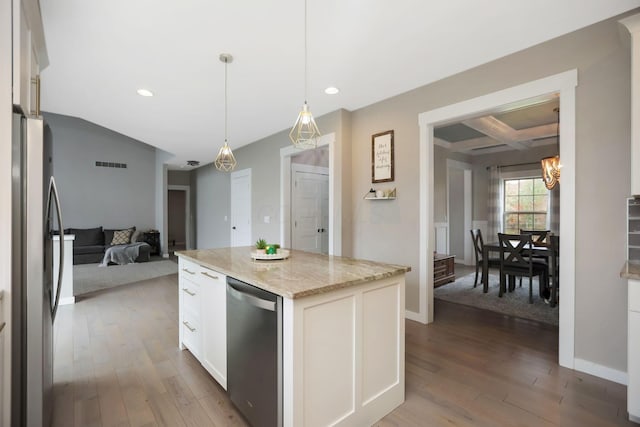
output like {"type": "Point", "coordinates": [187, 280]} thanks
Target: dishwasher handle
{"type": "Point", "coordinates": [250, 299]}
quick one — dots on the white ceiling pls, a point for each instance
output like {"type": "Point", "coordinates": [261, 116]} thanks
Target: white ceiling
{"type": "Point", "coordinates": [101, 52]}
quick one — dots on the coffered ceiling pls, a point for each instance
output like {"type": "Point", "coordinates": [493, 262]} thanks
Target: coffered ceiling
{"type": "Point", "coordinates": [519, 127]}
{"type": "Point", "coordinates": [101, 52]}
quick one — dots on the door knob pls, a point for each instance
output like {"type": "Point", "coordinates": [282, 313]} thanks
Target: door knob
{"type": "Point", "coordinates": [233, 228]}
{"type": "Point", "coordinates": [318, 230]}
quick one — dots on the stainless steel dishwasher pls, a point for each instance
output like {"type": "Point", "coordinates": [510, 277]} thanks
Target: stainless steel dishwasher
{"type": "Point", "coordinates": [254, 353]}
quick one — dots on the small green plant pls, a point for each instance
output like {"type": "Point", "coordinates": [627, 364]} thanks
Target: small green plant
{"type": "Point", "coordinates": [261, 244]}
{"type": "Point", "coordinates": [275, 245]}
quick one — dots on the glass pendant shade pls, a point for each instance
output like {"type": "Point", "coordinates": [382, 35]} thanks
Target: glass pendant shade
{"type": "Point", "coordinates": [305, 132]}
{"type": "Point", "coordinates": [225, 160]}
{"type": "Point", "coordinates": [550, 171]}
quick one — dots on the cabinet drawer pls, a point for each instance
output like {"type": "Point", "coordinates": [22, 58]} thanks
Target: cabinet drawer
{"type": "Point", "coordinates": [634, 295]}
{"type": "Point", "coordinates": [208, 277]}
{"type": "Point", "coordinates": [190, 294]}
{"type": "Point", "coordinates": [188, 269]}
{"type": "Point", "coordinates": [191, 335]}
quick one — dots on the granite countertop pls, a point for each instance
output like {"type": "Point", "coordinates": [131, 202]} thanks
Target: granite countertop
{"type": "Point", "coordinates": [631, 270]}
{"type": "Point", "coordinates": [302, 274]}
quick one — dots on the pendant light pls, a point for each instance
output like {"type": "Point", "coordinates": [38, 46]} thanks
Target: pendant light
{"type": "Point", "coordinates": [551, 165]}
{"type": "Point", "coordinates": [305, 132]}
{"type": "Point", "coordinates": [225, 161]}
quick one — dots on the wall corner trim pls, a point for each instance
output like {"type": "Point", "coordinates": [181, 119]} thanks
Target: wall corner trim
{"type": "Point", "coordinates": [600, 371]}
{"type": "Point", "coordinates": [417, 317]}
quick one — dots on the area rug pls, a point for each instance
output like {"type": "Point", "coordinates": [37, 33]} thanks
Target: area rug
{"type": "Point", "coordinates": [90, 277]}
{"type": "Point", "coordinates": [514, 303]}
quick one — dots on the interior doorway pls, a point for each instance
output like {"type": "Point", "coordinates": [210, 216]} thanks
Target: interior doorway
{"type": "Point", "coordinates": [178, 218]}
{"type": "Point", "coordinates": [564, 84]}
{"type": "Point", "coordinates": [287, 154]}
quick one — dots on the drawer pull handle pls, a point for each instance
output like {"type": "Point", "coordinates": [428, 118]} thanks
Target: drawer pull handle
{"type": "Point", "coordinates": [209, 276]}
{"type": "Point", "coordinates": [189, 292]}
{"type": "Point", "coordinates": [188, 271]}
{"type": "Point", "coordinates": [189, 327]}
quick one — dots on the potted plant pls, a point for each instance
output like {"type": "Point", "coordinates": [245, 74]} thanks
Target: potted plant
{"type": "Point", "coordinates": [261, 245]}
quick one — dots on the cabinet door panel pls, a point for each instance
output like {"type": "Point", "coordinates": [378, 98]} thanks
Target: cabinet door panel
{"type": "Point", "coordinates": [214, 312]}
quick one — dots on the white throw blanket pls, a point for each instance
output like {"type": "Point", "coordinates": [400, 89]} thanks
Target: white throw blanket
{"type": "Point", "coordinates": [122, 254]}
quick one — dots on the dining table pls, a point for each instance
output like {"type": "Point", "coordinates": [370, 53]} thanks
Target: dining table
{"type": "Point", "coordinates": [539, 249]}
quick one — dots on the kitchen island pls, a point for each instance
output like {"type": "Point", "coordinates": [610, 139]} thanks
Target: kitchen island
{"type": "Point", "coordinates": [342, 329]}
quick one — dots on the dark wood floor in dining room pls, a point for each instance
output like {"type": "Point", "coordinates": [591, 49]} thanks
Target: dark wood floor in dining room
{"type": "Point", "coordinates": [117, 364]}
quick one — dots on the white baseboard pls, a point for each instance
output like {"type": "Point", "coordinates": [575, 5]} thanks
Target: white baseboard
{"type": "Point", "coordinates": [67, 301]}
{"type": "Point", "coordinates": [412, 315]}
{"type": "Point", "coordinates": [601, 371]}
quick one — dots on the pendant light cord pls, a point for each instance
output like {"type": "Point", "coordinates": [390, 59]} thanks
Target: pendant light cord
{"type": "Point", "coordinates": [226, 62]}
{"type": "Point", "coordinates": [305, 51]}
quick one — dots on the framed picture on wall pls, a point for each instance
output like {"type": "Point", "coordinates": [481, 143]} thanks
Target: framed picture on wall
{"type": "Point", "coordinates": [382, 157]}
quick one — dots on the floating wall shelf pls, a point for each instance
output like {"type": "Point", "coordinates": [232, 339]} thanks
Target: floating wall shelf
{"type": "Point", "coordinates": [390, 195]}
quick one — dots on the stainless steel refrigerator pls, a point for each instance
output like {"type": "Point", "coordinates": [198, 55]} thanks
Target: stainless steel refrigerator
{"type": "Point", "coordinates": [35, 215]}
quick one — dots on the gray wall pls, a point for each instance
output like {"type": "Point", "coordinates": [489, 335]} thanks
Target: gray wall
{"type": "Point", "coordinates": [389, 231]}
{"type": "Point", "coordinates": [317, 157]}
{"type": "Point", "coordinates": [179, 177]}
{"type": "Point", "coordinates": [263, 158]}
{"type": "Point", "coordinates": [602, 133]}
{"type": "Point", "coordinates": [97, 196]}
{"type": "Point", "coordinates": [212, 211]}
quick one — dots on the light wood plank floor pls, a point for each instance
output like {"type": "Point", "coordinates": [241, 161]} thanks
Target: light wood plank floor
{"type": "Point", "coordinates": [117, 364]}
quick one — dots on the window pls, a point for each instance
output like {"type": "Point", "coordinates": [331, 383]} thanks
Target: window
{"type": "Point", "coordinates": [526, 205]}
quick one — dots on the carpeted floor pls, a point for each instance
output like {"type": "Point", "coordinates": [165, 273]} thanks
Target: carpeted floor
{"type": "Point", "coordinates": [514, 303]}
{"type": "Point", "coordinates": [89, 277]}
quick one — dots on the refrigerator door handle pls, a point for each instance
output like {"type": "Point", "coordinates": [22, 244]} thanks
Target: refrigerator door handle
{"type": "Point", "coordinates": [53, 196]}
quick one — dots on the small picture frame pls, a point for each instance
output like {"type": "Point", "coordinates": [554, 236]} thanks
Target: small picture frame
{"type": "Point", "coordinates": [382, 157]}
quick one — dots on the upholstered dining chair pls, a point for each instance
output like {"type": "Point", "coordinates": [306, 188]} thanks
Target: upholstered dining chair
{"type": "Point", "coordinates": [516, 261]}
{"type": "Point", "coordinates": [478, 245]}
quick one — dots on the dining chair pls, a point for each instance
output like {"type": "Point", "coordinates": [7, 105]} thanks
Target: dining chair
{"type": "Point", "coordinates": [478, 245]}
{"type": "Point", "coordinates": [538, 236]}
{"type": "Point", "coordinates": [516, 261]}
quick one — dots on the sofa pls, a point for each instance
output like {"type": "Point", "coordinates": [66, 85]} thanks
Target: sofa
{"type": "Point", "coordinates": [90, 244]}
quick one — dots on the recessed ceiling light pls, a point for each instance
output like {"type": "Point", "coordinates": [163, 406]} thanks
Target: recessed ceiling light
{"type": "Point", "coordinates": [145, 92]}
{"type": "Point", "coordinates": [331, 90]}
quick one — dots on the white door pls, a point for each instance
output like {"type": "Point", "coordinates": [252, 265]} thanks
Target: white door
{"type": "Point", "coordinates": [310, 212]}
{"type": "Point", "coordinates": [241, 208]}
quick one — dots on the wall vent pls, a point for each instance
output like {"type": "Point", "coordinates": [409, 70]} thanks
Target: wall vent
{"type": "Point", "coordinates": [111, 165]}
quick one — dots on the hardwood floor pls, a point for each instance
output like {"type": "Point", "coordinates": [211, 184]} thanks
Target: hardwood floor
{"type": "Point", "coordinates": [117, 364]}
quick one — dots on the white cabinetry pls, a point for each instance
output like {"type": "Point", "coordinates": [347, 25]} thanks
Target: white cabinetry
{"type": "Point", "coordinates": [203, 317]}
{"type": "Point", "coordinates": [29, 55]}
{"type": "Point", "coordinates": [214, 320]}
{"type": "Point", "coordinates": [190, 335]}
{"type": "Point", "coordinates": [633, 348]}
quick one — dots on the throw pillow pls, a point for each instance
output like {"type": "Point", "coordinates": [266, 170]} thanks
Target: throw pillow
{"type": "Point", "coordinates": [122, 237]}
{"type": "Point", "coordinates": [135, 236]}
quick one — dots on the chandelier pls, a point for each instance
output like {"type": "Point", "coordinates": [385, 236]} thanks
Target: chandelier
{"type": "Point", "coordinates": [551, 165]}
